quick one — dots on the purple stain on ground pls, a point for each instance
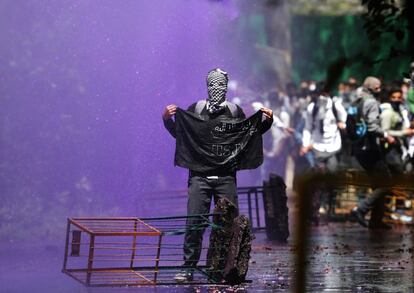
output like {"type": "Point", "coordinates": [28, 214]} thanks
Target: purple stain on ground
{"type": "Point", "coordinates": [369, 267]}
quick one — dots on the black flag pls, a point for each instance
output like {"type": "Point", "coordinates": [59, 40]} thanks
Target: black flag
{"type": "Point", "coordinates": [228, 144]}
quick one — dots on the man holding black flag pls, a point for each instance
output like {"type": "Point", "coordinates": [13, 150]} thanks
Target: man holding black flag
{"type": "Point", "coordinates": [214, 140]}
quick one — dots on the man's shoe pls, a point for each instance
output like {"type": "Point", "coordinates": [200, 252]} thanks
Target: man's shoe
{"type": "Point", "coordinates": [359, 216]}
{"type": "Point", "coordinates": [380, 225]}
{"type": "Point", "coordinates": [183, 276]}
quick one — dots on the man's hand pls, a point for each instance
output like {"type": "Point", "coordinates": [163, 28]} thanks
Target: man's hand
{"type": "Point", "coordinates": [268, 154]}
{"type": "Point", "coordinates": [304, 150]}
{"type": "Point", "coordinates": [169, 111]}
{"type": "Point", "coordinates": [288, 130]}
{"type": "Point", "coordinates": [268, 113]}
{"type": "Point", "coordinates": [409, 132]}
{"type": "Point", "coordinates": [341, 125]}
{"type": "Point", "coordinates": [390, 139]}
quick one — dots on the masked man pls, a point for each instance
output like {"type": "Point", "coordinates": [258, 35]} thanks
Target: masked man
{"type": "Point", "coordinates": [395, 121]}
{"type": "Point", "coordinates": [219, 183]}
{"type": "Point", "coordinates": [370, 156]}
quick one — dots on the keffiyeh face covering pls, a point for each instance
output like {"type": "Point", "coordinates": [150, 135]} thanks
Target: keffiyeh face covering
{"type": "Point", "coordinates": [217, 88]}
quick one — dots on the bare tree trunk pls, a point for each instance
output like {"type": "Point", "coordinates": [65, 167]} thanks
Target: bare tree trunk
{"type": "Point", "coordinates": [277, 55]}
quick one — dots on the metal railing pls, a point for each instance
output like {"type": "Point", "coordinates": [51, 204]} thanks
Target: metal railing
{"type": "Point", "coordinates": [251, 203]}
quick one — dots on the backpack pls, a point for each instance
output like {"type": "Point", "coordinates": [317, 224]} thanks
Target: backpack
{"type": "Point", "coordinates": [315, 111]}
{"type": "Point", "coordinates": [356, 127]}
{"type": "Point", "coordinates": [202, 103]}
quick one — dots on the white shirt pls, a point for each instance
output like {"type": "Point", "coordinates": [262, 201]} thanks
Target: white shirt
{"type": "Point", "coordinates": [281, 122]}
{"type": "Point", "coordinates": [330, 138]}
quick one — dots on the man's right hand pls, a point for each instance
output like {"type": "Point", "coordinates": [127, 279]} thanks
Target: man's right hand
{"type": "Point", "coordinates": [288, 130]}
{"type": "Point", "coordinates": [409, 132]}
{"type": "Point", "coordinates": [390, 139]}
{"type": "Point", "coordinates": [169, 111]}
{"type": "Point", "coordinates": [304, 150]}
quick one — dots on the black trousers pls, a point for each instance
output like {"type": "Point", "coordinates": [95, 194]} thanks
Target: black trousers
{"type": "Point", "coordinates": [393, 159]}
{"type": "Point", "coordinates": [373, 163]}
{"type": "Point", "coordinates": [201, 190]}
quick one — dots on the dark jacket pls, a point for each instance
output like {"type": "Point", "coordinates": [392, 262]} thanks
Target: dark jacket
{"type": "Point", "coordinates": [371, 114]}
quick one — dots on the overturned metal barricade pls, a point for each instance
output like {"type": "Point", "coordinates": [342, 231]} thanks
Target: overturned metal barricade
{"type": "Point", "coordinates": [132, 251]}
{"type": "Point", "coordinates": [104, 251]}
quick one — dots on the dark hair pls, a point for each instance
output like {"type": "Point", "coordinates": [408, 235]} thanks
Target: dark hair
{"type": "Point", "coordinates": [319, 89]}
{"type": "Point", "coordinates": [386, 97]}
{"type": "Point", "coordinates": [274, 98]}
{"type": "Point", "coordinates": [394, 89]}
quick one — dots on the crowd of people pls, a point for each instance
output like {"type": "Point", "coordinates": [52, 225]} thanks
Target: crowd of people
{"type": "Point", "coordinates": [315, 121]}
{"type": "Point", "coordinates": [310, 126]}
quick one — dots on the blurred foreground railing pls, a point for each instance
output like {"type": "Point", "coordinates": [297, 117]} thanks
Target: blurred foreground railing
{"type": "Point", "coordinates": [310, 182]}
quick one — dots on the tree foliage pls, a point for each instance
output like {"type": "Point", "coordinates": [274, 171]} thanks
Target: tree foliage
{"type": "Point", "coordinates": [390, 19]}
{"type": "Point", "coordinates": [389, 27]}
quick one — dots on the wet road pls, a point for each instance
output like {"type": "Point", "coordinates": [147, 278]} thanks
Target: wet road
{"type": "Point", "coordinates": [342, 257]}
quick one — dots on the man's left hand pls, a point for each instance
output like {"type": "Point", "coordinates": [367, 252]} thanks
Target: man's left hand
{"type": "Point", "coordinates": [268, 113]}
{"type": "Point", "coordinates": [341, 125]}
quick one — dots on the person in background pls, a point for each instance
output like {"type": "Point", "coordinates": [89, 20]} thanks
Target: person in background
{"type": "Point", "coordinates": [278, 150]}
{"type": "Point", "coordinates": [394, 121]}
{"type": "Point", "coordinates": [409, 91]}
{"type": "Point", "coordinates": [321, 136]}
{"type": "Point", "coordinates": [369, 156]}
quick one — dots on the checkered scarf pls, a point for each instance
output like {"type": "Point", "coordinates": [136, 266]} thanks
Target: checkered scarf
{"type": "Point", "coordinates": [217, 88]}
